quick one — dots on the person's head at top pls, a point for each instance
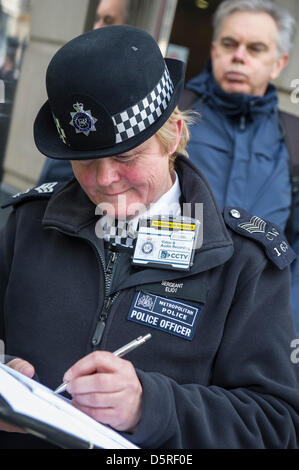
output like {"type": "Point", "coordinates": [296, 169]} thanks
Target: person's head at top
{"type": "Point", "coordinates": [111, 12]}
{"type": "Point", "coordinates": [115, 117]}
{"type": "Point", "coordinates": [251, 44]}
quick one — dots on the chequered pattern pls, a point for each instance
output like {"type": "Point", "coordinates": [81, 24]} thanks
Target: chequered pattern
{"type": "Point", "coordinates": [134, 120]}
{"type": "Point", "coordinates": [117, 234]}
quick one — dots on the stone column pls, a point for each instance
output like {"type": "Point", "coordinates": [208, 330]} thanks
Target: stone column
{"type": "Point", "coordinates": [54, 22]}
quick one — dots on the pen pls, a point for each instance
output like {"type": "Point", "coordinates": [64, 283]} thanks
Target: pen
{"type": "Point", "coordinates": [119, 353]}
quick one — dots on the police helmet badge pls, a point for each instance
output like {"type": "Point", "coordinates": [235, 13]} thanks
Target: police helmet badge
{"type": "Point", "coordinates": [82, 121]}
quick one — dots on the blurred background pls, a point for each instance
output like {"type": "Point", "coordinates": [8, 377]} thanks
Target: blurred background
{"type": "Point", "coordinates": [31, 31]}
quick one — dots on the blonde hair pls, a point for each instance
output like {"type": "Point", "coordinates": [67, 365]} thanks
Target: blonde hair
{"type": "Point", "coordinates": [168, 133]}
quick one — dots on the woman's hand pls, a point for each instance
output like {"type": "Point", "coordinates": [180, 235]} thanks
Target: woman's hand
{"type": "Point", "coordinates": [27, 369]}
{"type": "Point", "coordinates": [106, 388]}
{"type": "Point", "coordinates": [24, 367]}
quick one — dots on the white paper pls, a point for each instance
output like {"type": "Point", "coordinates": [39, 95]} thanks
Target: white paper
{"type": "Point", "coordinates": [30, 398]}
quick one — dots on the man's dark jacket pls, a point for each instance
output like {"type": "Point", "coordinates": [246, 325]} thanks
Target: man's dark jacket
{"type": "Point", "coordinates": [233, 385]}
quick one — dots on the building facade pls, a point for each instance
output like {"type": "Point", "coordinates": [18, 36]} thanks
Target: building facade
{"type": "Point", "coordinates": [181, 27]}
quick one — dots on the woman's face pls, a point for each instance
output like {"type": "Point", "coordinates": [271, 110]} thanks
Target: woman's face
{"type": "Point", "coordinates": [126, 184]}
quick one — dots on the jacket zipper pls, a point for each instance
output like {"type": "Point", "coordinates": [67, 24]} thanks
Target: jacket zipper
{"type": "Point", "coordinates": [243, 122]}
{"type": "Point", "coordinates": [108, 275]}
{"type": "Point", "coordinates": [108, 300]}
{"type": "Point", "coordinates": [101, 323]}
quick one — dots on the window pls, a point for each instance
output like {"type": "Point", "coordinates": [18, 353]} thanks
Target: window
{"type": "Point", "coordinates": [14, 34]}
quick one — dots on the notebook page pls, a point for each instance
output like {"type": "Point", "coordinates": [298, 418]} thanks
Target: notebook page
{"type": "Point", "coordinates": [32, 399]}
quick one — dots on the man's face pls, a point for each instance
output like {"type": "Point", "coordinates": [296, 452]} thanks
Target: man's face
{"type": "Point", "coordinates": [127, 183]}
{"type": "Point", "coordinates": [244, 57]}
{"type": "Point", "coordinates": [109, 12]}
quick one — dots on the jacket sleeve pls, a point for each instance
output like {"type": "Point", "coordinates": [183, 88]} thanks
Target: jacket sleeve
{"type": "Point", "coordinates": [7, 236]}
{"type": "Point", "coordinates": [253, 399]}
{"type": "Point", "coordinates": [295, 266]}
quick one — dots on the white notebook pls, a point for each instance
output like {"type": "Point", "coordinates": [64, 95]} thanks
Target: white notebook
{"type": "Point", "coordinates": [38, 410]}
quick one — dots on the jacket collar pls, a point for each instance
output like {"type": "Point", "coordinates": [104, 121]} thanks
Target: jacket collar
{"type": "Point", "coordinates": [232, 104]}
{"type": "Point", "coordinates": [69, 209]}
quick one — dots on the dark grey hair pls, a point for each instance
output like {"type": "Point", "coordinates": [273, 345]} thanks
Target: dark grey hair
{"type": "Point", "coordinates": [285, 22]}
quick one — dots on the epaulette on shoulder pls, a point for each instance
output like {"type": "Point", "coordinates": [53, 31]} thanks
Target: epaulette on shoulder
{"type": "Point", "coordinates": [44, 191]}
{"type": "Point", "coordinates": [270, 236]}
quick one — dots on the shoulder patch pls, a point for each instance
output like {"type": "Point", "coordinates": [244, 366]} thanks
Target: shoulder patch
{"type": "Point", "coordinates": [267, 234]}
{"type": "Point", "coordinates": [43, 191]}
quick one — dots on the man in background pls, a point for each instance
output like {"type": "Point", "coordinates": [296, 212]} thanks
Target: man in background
{"type": "Point", "coordinates": [109, 12]}
{"type": "Point", "coordinates": [238, 142]}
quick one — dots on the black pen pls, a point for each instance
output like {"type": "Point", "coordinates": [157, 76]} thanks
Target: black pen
{"type": "Point", "coordinates": [119, 353]}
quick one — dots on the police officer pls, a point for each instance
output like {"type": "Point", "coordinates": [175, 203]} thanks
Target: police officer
{"type": "Point", "coordinates": [136, 244]}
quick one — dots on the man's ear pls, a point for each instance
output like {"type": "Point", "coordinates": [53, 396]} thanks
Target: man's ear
{"type": "Point", "coordinates": [212, 50]}
{"type": "Point", "coordinates": [279, 65]}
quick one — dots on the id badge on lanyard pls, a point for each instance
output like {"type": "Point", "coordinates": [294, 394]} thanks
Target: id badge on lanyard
{"type": "Point", "coordinates": [167, 242]}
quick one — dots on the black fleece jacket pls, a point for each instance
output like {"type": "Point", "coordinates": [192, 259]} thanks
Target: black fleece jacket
{"type": "Point", "coordinates": [219, 375]}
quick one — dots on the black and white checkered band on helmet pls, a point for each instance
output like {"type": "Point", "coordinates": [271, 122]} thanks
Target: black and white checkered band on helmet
{"type": "Point", "coordinates": [134, 120]}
